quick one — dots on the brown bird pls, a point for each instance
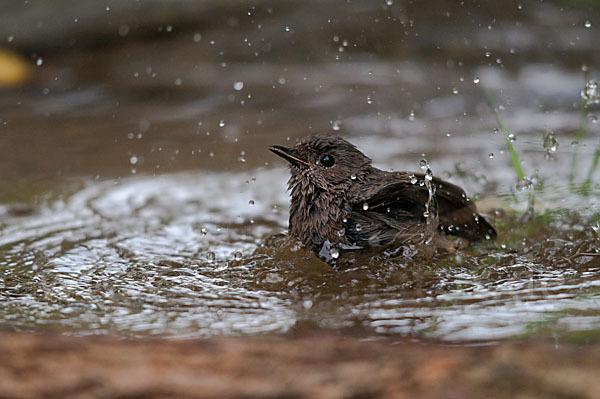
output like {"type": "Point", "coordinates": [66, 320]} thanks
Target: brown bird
{"type": "Point", "coordinates": [340, 201]}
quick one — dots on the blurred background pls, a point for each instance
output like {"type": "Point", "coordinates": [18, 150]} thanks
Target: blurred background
{"type": "Point", "coordinates": [102, 88]}
{"type": "Point", "coordinates": [136, 133]}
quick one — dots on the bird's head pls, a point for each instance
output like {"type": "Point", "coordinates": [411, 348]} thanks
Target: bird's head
{"type": "Point", "coordinates": [324, 160]}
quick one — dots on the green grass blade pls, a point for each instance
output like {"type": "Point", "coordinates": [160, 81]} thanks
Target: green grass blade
{"type": "Point", "coordinates": [514, 156]}
{"type": "Point", "coordinates": [580, 134]}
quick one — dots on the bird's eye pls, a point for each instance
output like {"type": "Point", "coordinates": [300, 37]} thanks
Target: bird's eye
{"type": "Point", "coordinates": [327, 161]}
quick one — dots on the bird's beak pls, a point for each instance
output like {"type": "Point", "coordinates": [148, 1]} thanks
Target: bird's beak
{"type": "Point", "coordinates": [290, 155]}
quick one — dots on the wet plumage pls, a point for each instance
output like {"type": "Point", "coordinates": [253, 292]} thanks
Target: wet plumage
{"type": "Point", "coordinates": [338, 197]}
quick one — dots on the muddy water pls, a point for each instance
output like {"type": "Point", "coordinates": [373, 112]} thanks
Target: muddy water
{"type": "Point", "coordinates": [139, 198]}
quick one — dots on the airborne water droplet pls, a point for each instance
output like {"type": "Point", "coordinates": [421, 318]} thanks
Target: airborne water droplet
{"type": "Point", "coordinates": [550, 142]}
{"type": "Point", "coordinates": [476, 80]}
{"type": "Point", "coordinates": [221, 123]}
{"type": "Point", "coordinates": [491, 155]}
{"type": "Point", "coordinates": [525, 184]}
{"type": "Point", "coordinates": [251, 202]}
{"type": "Point", "coordinates": [511, 137]}
{"type": "Point", "coordinates": [590, 94]}
{"type": "Point", "coordinates": [365, 206]}
{"type": "Point", "coordinates": [336, 125]}
{"type": "Point", "coordinates": [358, 227]}
{"type": "Point", "coordinates": [423, 164]}
{"type": "Point", "coordinates": [238, 85]}
{"type": "Point", "coordinates": [334, 253]}
{"type": "Point", "coordinates": [353, 176]}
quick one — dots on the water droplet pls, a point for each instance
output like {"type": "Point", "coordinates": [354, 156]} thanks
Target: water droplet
{"type": "Point", "coordinates": [287, 29]}
{"type": "Point", "coordinates": [336, 125]}
{"type": "Point", "coordinates": [488, 53]}
{"type": "Point", "coordinates": [588, 24]}
{"type": "Point", "coordinates": [491, 155]}
{"type": "Point", "coordinates": [345, 220]}
{"type": "Point", "coordinates": [210, 256]}
{"type": "Point", "coordinates": [39, 61]}
{"type": "Point", "coordinates": [365, 207]}
{"type": "Point", "coordinates": [307, 304]}
{"type": "Point", "coordinates": [133, 160]}
{"type": "Point", "coordinates": [411, 117]}
{"type": "Point", "coordinates": [282, 81]}
{"type": "Point", "coordinates": [413, 179]}
{"type": "Point", "coordinates": [550, 142]}
{"type": "Point", "coordinates": [590, 94]}
{"type": "Point", "coordinates": [448, 134]}
{"type": "Point", "coordinates": [251, 202]}
{"type": "Point", "coordinates": [389, 2]}
{"type": "Point", "coordinates": [369, 100]}
{"type": "Point", "coordinates": [454, 90]}
{"type": "Point", "coordinates": [237, 255]}
{"type": "Point", "coordinates": [423, 164]}
{"type": "Point", "coordinates": [341, 232]}
{"type": "Point", "coordinates": [525, 184]}
{"type": "Point", "coordinates": [358, 227]}
{"type": "Point", "coordinates": [596, 228]}
{"type": "Point", "coordinates": [221, 123]}
{"type": "Point", "coordinates": [476, 80]}
{"type": "Point", "coordinates": [428, 175]}
{"type": "Point", "coordinates": [495, 130]}
{"type": "Point", "coordinates": [203, 231]}
{"type": "Point", "coordinates": [123, 30]}
{"type": "Point", "coordinates": [239, 85]}
{"type": "Point", "coordinates": [511, 137]}
{"type": "Point", "coordinates": [334, 253]}
{"type": "Point", "coordinates": [197, 37]}
{"type": "Point", "coordinates": [353, 176]}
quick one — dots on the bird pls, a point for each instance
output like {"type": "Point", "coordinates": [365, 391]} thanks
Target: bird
{"type": "Point", "coordinates": [340, 201]}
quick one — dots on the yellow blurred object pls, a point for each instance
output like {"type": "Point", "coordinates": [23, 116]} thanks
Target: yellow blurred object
{"type": "Point", "coordinates": [14, 70]}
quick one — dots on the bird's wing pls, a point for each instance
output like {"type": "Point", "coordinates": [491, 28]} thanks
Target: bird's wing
{"type": "Point", "coordinates": [404, 202]}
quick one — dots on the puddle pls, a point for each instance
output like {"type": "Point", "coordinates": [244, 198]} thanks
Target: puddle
{"type": "Point", "coordinates": [138, 195]}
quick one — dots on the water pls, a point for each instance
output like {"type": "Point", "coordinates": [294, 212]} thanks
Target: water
{"type": "Point", "coordinates": [149, 204]}
{"type": "Point", "coordinates": [187, 255]}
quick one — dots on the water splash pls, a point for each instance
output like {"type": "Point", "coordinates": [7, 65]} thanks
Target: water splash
{"type": "Point", "coordinates": [590, 94]}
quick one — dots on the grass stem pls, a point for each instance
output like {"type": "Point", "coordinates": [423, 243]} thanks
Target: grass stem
{"type": "Point", "coordinates": [514, 156]}
{"type": "Point", "coordinates": [580, 134]}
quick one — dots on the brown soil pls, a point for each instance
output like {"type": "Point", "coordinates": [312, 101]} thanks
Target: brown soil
{"type": "Point", "coordinates": [321, 365]}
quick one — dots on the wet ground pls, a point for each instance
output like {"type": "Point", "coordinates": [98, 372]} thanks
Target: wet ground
{"type": "Point", "coordinates": [139, 197]}
{"type": "Point", "coordinates": [317, 365]}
